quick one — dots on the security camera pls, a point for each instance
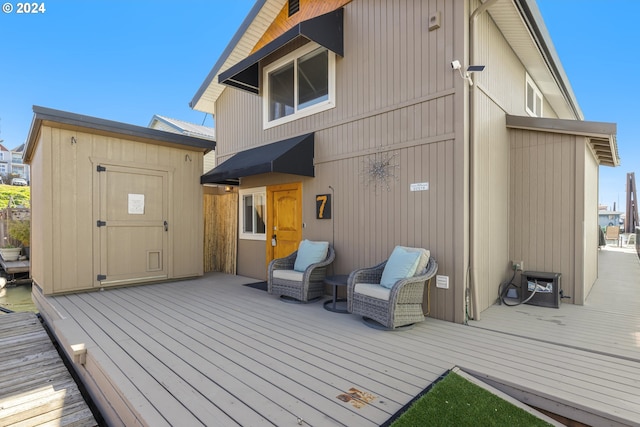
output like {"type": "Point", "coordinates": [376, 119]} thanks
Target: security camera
{"type": "Point", "coordinates": [456, 65]}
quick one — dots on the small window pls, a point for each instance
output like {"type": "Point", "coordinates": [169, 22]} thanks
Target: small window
{"type": "Point", "coordinates": [253, 214]}
{"type": "Point", "coordinates": [294, 6]}
{"type": "Point", "coordinates": [298, 85]}
{"type": "Point", "coordinates": [533, 98]}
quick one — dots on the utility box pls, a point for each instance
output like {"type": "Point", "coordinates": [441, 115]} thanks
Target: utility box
{"type": "Point", "coordinates": [545, 285]}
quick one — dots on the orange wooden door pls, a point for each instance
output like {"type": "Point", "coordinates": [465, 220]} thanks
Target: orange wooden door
{"type": "Point", "coordinates": [284, 220]}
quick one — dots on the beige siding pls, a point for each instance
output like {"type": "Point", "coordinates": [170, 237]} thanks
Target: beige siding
{"type": "Point", "coordinates": [396, 98]}
{"type": "Point", "coordinates": [64, 205]}
{"type": "Point", "coordinates": [498, 90]}
{"type": "Point", "coordinates": [590, 222]}
{"type": "Point", "coordinates": [546, 215]}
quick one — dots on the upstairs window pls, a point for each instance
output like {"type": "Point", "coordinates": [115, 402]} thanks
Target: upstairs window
{"type": "Point", "coordinates": [533, 99]}
{"type": "Point", "coordinates": [252, 214]}
{"type": "Point", "coordinates": [298, 85]}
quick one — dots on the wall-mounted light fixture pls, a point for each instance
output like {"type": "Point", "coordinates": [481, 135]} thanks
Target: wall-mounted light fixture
{"type": "Point", "coordinates": [228, 189]}
{"type": "Point", "coordinates": [455, 64]}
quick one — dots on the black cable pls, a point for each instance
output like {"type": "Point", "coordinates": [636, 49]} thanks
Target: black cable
{"type": "Point", "coordinates": [502, 292]}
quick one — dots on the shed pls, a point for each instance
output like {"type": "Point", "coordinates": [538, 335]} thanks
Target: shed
{"type": "Point", "coordinates": [112, 204]}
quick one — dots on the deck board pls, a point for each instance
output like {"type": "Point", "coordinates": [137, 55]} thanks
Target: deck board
{"type": "Point", "coordinates": [211, 349]}
{"type": "Point", "coordinates": [35, 386]}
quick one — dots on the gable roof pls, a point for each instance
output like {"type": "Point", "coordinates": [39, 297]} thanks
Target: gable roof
{"type": "Point", "coordinates": [519, 20]}
{"type": "Point", "coordinates": [522, 25]}
{"type": "Point", "coordinates": [241, 45]}
{"type": "Point", "coordinates": [184, 128]}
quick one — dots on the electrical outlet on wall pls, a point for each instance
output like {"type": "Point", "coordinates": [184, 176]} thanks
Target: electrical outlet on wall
{"type": "Point", "coordinates": [517, 265]}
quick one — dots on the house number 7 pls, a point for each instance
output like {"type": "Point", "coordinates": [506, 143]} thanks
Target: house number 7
{"type": "Point", "coordinates": [323, 206]}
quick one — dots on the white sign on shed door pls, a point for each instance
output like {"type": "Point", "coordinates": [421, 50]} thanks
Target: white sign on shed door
{"type": "Point", "coordinates": [136, 204]}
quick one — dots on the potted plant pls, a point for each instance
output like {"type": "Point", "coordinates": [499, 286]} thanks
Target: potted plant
{"type": "Point", "coordinates": [20, 231]}
{"type": "Point", "coordinates": [10, 252]}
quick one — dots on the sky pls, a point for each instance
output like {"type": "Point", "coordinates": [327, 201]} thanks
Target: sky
{"type": "Point", "coordinates": [128, 60]}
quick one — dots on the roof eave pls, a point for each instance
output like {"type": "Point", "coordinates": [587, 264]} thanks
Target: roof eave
{"type": "Point", "coordinates": [43, 114]}
{"type": "Point", "coordinates": [602, 135]}
{"type": "Point", "coordinates": [196, 101]}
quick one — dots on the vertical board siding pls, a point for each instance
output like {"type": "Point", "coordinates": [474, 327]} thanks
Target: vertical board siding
{"type": "Point", "coordinates": [543, 244]}
{"type": "Point", "coordinates": [65, 187]}
{"type": "Point", "coordinates": [590, 224]}
{"type": "Point", "coordinates": [503, 206]}
{"type": "Point", "coordinates": [394, 100]}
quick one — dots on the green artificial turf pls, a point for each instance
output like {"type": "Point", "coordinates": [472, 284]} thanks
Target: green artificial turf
{"type": "Point", "coordinates": [454, 401]}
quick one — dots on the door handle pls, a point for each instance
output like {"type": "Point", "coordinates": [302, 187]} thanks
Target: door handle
{"type": "Point", "coordinates": [166, 226]}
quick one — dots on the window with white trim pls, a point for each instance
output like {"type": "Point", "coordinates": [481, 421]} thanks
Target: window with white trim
{"type": "Point", "coordinates": [253, 213]}
{"type": "Point", "coordinates": [298, 85]}
{"type": "Point", "coordinates": [533, 98]}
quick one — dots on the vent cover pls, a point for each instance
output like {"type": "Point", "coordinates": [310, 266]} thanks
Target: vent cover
{"type": "Point", "coordinates": [294, 6]}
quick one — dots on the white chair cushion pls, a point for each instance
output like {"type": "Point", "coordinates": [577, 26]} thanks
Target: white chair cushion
{"type": "Point", "coordinates": [372, 290]}
{"type": "Point", "coordinates": [292, 275]}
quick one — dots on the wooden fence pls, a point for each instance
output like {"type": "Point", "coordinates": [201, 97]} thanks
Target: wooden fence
{"type": "Point", "coordinates": [220, 232]}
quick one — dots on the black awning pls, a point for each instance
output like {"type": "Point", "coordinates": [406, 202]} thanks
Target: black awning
{"type": "Point", "coordinates": [326, 30]}
{"type": "Point", "coordinates": [293, 156]}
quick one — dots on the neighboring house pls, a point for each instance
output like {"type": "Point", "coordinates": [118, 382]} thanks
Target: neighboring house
{"type": "Point", "coordinates": [11, 164]}
{"type": "Point", "coordinates": [189, 129]}
{"type": "Point", "coordinates": [363, 101]}
{"type": "Point", "coordinates": [5, 161]}
{"type": "Point", "coordinates": [607, 218]}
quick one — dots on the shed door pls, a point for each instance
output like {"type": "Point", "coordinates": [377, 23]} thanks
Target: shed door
{"type": "Point", "coordinates": [133, 228]}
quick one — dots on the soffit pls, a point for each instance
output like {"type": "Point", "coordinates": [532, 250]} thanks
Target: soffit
{"type": "Point", "coordinates": [601, 135]}
{"type": "Point", "coordinates": [536, 52]}
{"type": "Point", "coordinates": [248, 35]}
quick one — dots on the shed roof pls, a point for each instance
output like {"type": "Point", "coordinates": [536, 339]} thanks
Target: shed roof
{"type": "Point", "coordinates": [602, 136]}
{"type": "Point", "coordinates": [56, 118]}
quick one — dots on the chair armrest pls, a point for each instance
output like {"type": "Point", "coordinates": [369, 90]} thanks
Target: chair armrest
{"type": "Point", "coordinates": [401, 285]}
{"type": "Point", "coordinates": [331, 256]}
{"type": "Point", "coordinates": [363, 275]}
{"type": "Point", "coordinates": [367, 274]}
{"type": "Point", "coordinates": [285, 263]}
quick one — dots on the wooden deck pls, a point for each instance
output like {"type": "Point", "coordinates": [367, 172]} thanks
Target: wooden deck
{"type": "Point", "coordinates": [608, 323]}
{"type": "Point", "coordinates": [211, 351]}
{"type": "Point", "coordinates": [35, 386]}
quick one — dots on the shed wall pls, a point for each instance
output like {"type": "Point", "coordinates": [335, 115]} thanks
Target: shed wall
{"type": "Point", "coordinates": [591, 179]}
{"type": "Point", "coordinates": [64, 202]}
{"type": "Point", "coordinates": [547, 215]}
{"type": "Point", "coordinates": [397, 100]}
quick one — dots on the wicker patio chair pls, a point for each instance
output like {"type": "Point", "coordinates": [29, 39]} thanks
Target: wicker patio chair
{"type": "Point", "coordinates": [305, 286]}
{"type": "Point", "coordinates": [391, 308]}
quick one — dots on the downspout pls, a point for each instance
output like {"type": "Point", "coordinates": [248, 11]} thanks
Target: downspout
{"type": "Point", "coordinates": [473, 169]}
